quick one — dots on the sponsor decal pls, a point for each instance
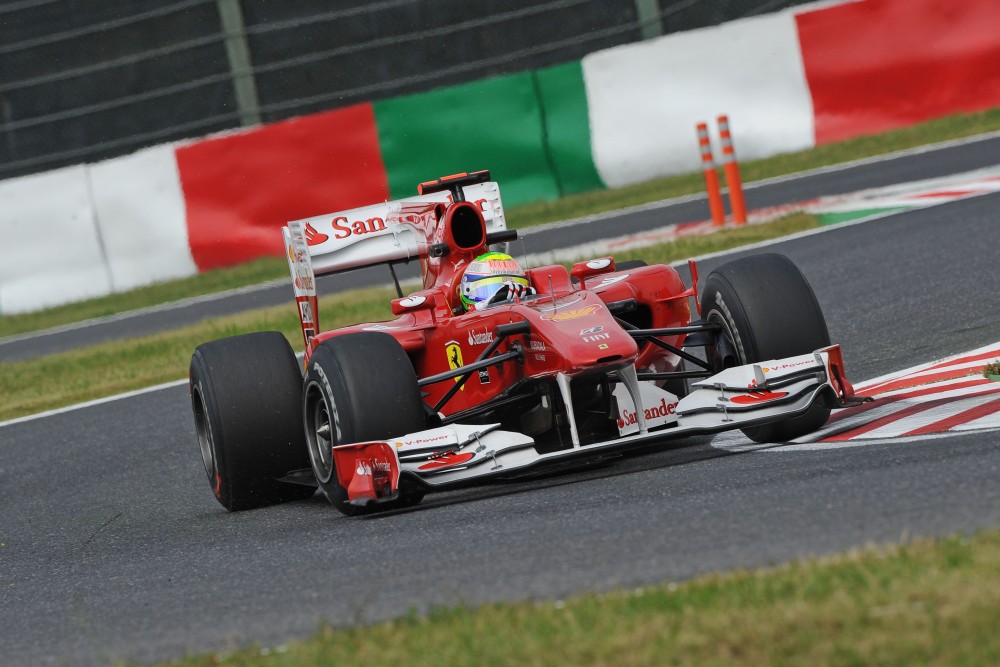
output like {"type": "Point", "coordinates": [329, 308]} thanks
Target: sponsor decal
{"type": "Point", "coordinates": [306, 311]}
{"type": "Point", "coordinates": [313, 237]}
{"type": "Point", "coordinates": [756, 397]}
{"type": "Point", "coordinates": [662, 410]}
{"type": "Point", "coordinates": [454, 352]}
{"type": "Point", "coordinates": [781, 367]}
{"type": "Point", "coordinates": [596, 337]}
{"type": "Point", "coordinates": [497, 267]}
{"type": "Point", "coordinates": [609, 281]}
{"type": "Point", "coordinates": [484, 376]}
{"type": "Point", "coordinates": [591, 330]}
{"type": "Point", "coordinates": [417, 219]}
{"type": "Point", "coordinates": [537, 346]}
{"type": "Point", "coordinates": [539, 357]}
{"type": "Point", "coordinates": [503, 266]}
{"type": "Point", "coordinates": [365, 469]}
{"type": "Point", "coordinates": [447, 460]}
{"type": "Point", "coordinates": [412, 301]}
{"type": "Point", "coordinates": [567, 315]}
{"type": "Point", "coordinates": [343, 228]}
{"type": "Point", "coordinates": [304, 283]}
{"type": "Point", "coordinates": [477, 338]}
{"type": "Point", "coordinates": [422, 441]}
{"type": "Point", "coordinates": [603, 346]}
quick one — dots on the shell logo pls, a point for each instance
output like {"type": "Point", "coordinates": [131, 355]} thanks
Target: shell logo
{"type": "Point", "coordinates": [567, 315]}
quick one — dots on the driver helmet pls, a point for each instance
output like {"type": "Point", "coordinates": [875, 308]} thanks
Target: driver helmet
{"type": "Point", "coordinates": [486, 275]}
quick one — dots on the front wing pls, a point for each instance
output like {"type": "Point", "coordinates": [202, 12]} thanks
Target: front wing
{"type": "Point", "coordinates": [461, 454]}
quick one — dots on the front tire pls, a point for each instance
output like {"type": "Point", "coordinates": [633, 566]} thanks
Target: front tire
{"type": "Point", "coordinates": [359, 387]}
{"type": "Point", "coordinates": [246, 393]}
{"type": "Point", "coordinates": [767, 310]}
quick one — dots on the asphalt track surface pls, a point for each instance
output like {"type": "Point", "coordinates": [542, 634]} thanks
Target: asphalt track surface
{"type": "Point", "coordinates": [916, 165]}
{"type": "Point", "coordinates": [113, 546]}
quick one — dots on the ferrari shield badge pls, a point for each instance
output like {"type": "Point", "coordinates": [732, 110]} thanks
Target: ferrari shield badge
{"type": "Point", "coordinates": [454, 352]}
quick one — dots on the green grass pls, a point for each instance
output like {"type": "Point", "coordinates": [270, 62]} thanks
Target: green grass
{"type": "Point", "coordinates": [525, 216]}
{"type": "Point", "coordinates": [210, 282]}
{"type": "Point", "coordinates": [103, 370]}
{"type": "Point", "coordinates": [923, 603]}
{"type": "Point", "coordinates": [109, 368]}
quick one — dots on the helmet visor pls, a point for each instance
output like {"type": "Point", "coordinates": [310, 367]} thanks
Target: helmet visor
{"type": "Point", "coordinates": [483, 289]}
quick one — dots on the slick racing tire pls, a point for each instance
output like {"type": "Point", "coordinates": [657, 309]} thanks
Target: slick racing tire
{"type": "Point", "coordinates": [246, 394]}
{"type": "Point", "coordinates": [767, 311]}
{"type": "Point", "coordinates": [359, 387]}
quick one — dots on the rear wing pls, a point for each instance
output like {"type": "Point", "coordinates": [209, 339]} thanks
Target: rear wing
{"type": "Point", "coordinates": [386, 233]}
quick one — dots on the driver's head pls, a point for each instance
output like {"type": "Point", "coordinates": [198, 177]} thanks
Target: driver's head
{"type": "Point", "coordinates": [486, 275]}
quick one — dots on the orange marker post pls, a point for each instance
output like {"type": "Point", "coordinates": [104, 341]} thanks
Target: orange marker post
{"type": "Point", "coordinates": [732, 170]}
{"type": "Point", "coordinates": [711, 177]}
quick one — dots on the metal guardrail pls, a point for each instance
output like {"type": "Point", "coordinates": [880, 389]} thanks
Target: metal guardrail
{"type": "Point", "coordinates": [83, 86]}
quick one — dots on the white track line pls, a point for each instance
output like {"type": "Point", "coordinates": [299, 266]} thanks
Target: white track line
{"type": "Point", "coordinates": [102, 401]}
{"type": "Point", "coordinates": [96, 401]}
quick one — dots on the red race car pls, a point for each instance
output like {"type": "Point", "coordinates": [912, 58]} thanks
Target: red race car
{"type": "Point", "coordinates": [491, 372]}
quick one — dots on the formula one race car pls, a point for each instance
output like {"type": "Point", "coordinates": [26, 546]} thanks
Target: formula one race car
{"type": "Point", "coordinates": [559, 367]}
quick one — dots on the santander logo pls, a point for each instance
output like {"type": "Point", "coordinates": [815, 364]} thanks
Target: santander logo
{"type": "Point", "coordinates": [477, 338]}
{"type": "Point", "coordinates": [313, 237]}
{"type": "Point", "coordinates": [344, 228]}
{"type": "Point", "coordinates": [662, 411]}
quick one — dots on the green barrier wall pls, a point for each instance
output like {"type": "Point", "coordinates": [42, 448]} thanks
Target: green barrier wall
{"type": "Point", "coordinates": [529, 129]}
{"type": "Point", "coordinates": [563, 102]}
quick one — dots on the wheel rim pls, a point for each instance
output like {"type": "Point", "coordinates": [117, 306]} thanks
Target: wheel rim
{"type": "Point", "coordinates": [204, 431]}
{"type": "Point", "coordinates": [320, 434]}
{"type": "Point", "coordinates": [715, 317]}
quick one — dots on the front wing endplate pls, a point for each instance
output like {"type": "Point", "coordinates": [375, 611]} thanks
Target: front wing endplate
{"type": "Point", "coordinates": [736, 398]}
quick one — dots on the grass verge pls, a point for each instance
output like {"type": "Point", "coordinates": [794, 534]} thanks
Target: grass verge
{"type": "Point", "coordinates": [952, 127]}
{"type": "Point", "coordinates": [219, 280]}
{"type": "Point", "coordinates": [103, 370]}
{"type": "Point", "coordinates": [923, 603]}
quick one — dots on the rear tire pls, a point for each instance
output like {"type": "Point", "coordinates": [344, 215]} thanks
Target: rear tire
{"type": "Point", "coordinates": [246, 394]}
{"type": "Point", "coordinates": [359, 387]}
{"type": "Point", "coordinates": [768, 311]}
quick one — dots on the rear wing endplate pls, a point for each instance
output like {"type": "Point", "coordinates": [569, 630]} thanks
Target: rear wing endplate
{"type": "Point", "coordinates": [393, 231]}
